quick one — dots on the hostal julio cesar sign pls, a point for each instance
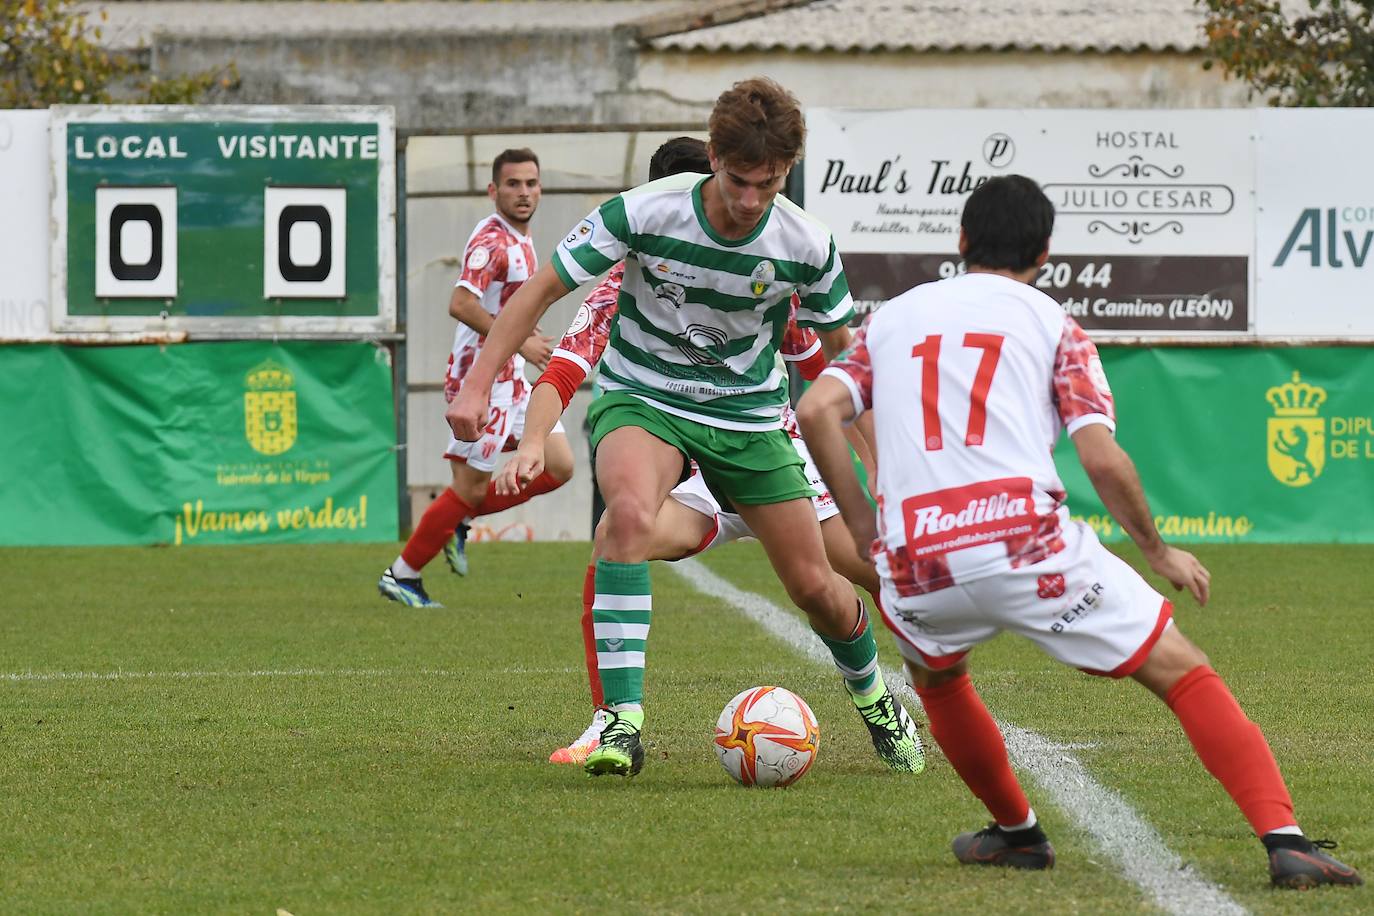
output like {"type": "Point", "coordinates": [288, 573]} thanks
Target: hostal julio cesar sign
{"type": "Point", "coordinates": [1153, 226]}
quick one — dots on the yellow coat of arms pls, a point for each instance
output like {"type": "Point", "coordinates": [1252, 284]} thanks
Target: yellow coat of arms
{"type": "Point", "coordinates": [269, 409]}
{"type": "Point", "coordinates": [1297, 435]}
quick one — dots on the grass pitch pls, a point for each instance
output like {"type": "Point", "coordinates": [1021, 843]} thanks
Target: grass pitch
{"type": "Point", "coordinates": [247, 729]}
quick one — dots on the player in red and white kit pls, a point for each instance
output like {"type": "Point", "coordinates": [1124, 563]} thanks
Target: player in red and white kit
{"type": "Point", "coordinates": [970, 381]}
{"type": "Point", "coordinates": [498, 258]}
{"type": "Point", "coordinates": [692, 520]}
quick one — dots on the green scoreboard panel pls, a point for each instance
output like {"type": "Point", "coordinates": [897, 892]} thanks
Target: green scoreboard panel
{"type": "Point", "coordinates": [233, 219]}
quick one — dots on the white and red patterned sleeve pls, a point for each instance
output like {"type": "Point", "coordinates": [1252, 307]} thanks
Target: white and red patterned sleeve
{"type": "Point", "coordinates": [802, 346]}
{"type": "Point", "coordinates": [484, 262]}
{"type": "Point", "coordinates": [854, 368]}
{"type": "Point", "coordinates": [1081, 393]}
{"type": "Point", "coordinates": [581, 347]}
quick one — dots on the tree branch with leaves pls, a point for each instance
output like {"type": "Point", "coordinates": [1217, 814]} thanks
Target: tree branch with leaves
{"type": "Point", "coordinates": [50, 54]}
{"type": "Point", "coordinates": [1314, 53]}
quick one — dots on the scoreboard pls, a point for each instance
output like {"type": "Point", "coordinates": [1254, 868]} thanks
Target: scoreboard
{"type": "Point", "coordinates": [224, 220]}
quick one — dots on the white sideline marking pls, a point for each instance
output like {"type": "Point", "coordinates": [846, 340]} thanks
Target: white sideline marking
{"type": "Point", "coordinates": [30, 676]}
{"type": "Point", "coordinates": [1114, 826]}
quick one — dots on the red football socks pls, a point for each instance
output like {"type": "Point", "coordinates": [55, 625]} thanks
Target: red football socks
{"type": "Point", "coordinates": [966, 732]}
{"type": "Point", "coordinates": [495, 502]}
{"type": "Point", "coordinates": [589, 637]}
{"type": "Point", "coordinates": [435, 528]}
{"type": "Point", "coordinates": [1232, 748]}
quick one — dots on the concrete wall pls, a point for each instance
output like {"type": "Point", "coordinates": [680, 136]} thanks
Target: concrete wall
{"type": "Point", "coordinates": [601, 77]}
{"type": "Point", "coordinates": [441, 81]}
{"type": "Point", "coordinates": [682, 85]}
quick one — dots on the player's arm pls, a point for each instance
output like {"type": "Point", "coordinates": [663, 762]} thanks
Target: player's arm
{"type": "Point", "coordinates": [1114, 477]}
{"type": "Point", "coordinates": [527, 463]}
{"type": "Point", "coordinates": [592, 247]}
{"type": "Point", "coordinates": [822, 413]}
{"type": "Point", "coordinates": [465, 307]}
{"type": "Point", "coordinates": [1083, 399]}
{"type": "Point", "coordinates": [577, 354]}
{"type": "Point", "coordinates": [835, 340]}
{"type": "Point", "coordinates": [862, 439]}
{"type": "Point", "coordinates": [859, 434]}
{"type": "Point", "coordinates": [467, 412]}
{"type": "Point", "coordinates": [842, 393]}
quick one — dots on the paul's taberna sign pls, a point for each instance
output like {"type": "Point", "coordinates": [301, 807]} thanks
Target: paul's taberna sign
{"type": "Point", "coordinates": [1160, 227]}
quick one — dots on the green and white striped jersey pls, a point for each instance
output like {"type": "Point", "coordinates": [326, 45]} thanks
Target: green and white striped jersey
{"type": "Point", "coordinates": [701, 317]}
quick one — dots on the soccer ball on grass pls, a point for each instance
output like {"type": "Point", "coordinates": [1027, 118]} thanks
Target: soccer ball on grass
{"type": "Point", "coordinates": [767, 736]}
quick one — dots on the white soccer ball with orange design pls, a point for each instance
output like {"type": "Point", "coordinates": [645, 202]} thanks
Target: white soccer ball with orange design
{"type": "Point", "coordinates": [767, 736]}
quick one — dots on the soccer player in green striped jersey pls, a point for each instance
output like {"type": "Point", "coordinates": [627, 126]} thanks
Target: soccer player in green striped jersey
{"type": "Point", "coordinates": [691, 371]}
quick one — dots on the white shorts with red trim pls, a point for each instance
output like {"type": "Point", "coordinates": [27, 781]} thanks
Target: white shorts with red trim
{"type": "Point", "coordinates": [697, 496]}
{"type": "Point", "coordinates": [1083, 606]}
{"type": "Point", "coordinates": [505, 426]}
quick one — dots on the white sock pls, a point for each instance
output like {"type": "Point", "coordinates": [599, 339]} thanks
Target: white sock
{"type": "Point", "coordinates": [1028, 823]}
{"type": "Point", "coordinates": [403, 570]}
{"type": "Point", "coordinates": [1290, 830]}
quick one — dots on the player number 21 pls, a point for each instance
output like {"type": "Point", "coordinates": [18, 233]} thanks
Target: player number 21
{"type": "Point", "coordinates": [928, 351]}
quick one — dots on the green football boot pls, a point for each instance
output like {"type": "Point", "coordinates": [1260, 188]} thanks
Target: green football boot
{"type": "Point", "coordinates": [894, 734]}
{"type": "Point", "coordinates": [619, 752]}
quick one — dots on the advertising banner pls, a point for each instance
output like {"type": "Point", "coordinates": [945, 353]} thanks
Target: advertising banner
{"type": "Point", "coordinates": [1242, 445]}
{"type": "Point", "coordinates": [24, 180]}
{"type": "Point", "coordinates": [209, 443]}
{"type": "Point", "coordinates": [1315, 235]}
{"type": "Point", "coordinates": [233, 219]}
{"type": "Point", "coordinates": [1154, 224]}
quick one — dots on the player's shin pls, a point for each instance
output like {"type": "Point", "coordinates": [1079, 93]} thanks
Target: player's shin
{"type": "Point", "coordinates": [1232, 748]}
{"type": "Point", "coordinates": [621, 609]}
{"type": "Point", "coordinates": [972, 743]}
{"type": "Point", "coordinates": [434, 529]}
{"type": "Point", "coordinates": [857, 660]}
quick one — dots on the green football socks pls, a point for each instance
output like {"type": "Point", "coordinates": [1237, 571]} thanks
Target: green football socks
{"type": "Point", "coordinates": [857, 659]}
{"type": "Point", "coordinates": [620, 622]}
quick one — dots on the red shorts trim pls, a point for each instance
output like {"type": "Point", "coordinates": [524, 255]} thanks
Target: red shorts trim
{"type": "Point", "coordinates": [706, 541]}
{"type": "Point", "coordinates": [940, 662]}
{"type": "Point", "coordinates": [1132, 664]}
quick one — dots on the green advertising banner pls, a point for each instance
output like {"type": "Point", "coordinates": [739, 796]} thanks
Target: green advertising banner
{"type": "Point", "coordinates": [205, 443]}
{"type": "Point", "coordinates": [1241, 445]}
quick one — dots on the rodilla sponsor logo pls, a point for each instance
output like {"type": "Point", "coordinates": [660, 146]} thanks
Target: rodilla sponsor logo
{"type": "Point", "coordinates": [1326, 240]}
{"type": "Point", "coordinates": [967, 516]}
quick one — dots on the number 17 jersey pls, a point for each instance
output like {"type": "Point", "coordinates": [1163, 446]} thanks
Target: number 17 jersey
{"type": "Point", "coordinates": [971, 380]}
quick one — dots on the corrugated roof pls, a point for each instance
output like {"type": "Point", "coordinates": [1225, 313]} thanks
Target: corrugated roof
{"type": "Point", "coordinates": [882, 25]}
{"type": "Point", "coordinates": [137, 21]}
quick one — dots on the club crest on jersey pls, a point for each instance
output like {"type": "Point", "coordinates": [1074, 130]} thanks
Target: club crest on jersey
{"type": "Point", "coordinates": [478, 258]}
{"type": "Point", "coordinates": [269, 408]}
{"type": "Point", "coordinates": [671, 294]}
{"type": "Point", "coordinates": [581, 234]}
{"type": "Point", "coordinates": [762, 277]}
{"type": "Point", "coordinates": [1297, 435]}
{"type": "Point", "coordinates": [581, 321]}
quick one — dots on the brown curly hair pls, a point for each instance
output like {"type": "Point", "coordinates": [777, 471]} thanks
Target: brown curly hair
{"type": "Point", "coordinates": [757, 122]}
